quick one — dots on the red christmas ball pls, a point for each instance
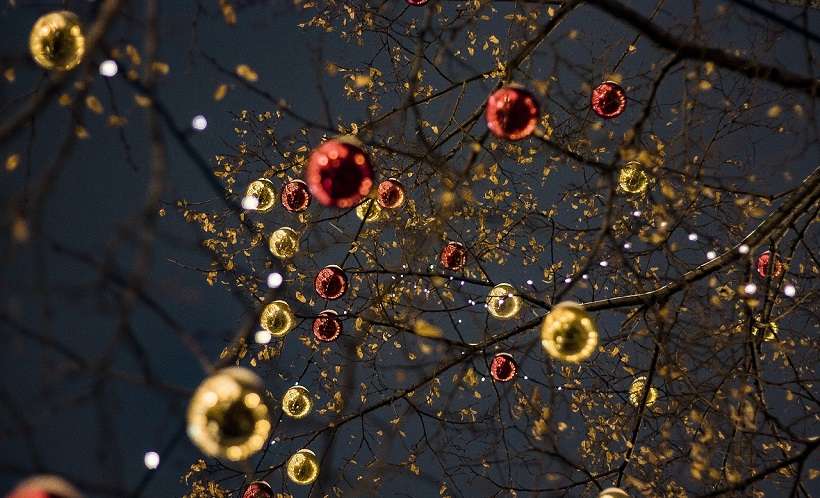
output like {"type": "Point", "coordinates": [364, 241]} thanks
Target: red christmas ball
{"type": "Point", "coordinates": [339, 173]}
{"type": "Point", "coordinates": [763, 265]}
{"type": "Point", "coordinates": [608, 100]}
{"type": "Point", "coordinates": [512, 113]}
{"type": "Point", "coordinates": [417, 3]}
{"type": "Point", "coordinates": [327, 326]}
{"type": "Point", "coordinates": [295, 196]}
{"type": "Point", "coordinates": [330, 282]}
{"type": "Point", "coordinates": [453, 256]}
{"type": "Point", "coordinates": [503, 367]}
{"type": "Point", "coordinates": [391, 194]}
{"type": "Point", "coordinates": [44, 486]}
{"type": "Point", "coordinates": [258, 489]}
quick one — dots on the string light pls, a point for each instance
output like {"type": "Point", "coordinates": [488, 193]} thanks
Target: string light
{"type": "Point", "coordinates": [693, 237]}
{"type": "Point", "coordinates": [743, 249]}
{"type": "Point", "coordinates": [151, 460]}
{"type": "Point", "coordinates": [275, 280]}
{"type": "Point", "coordinates": [711, 255]}
{"type": "Point", "coordinates": [789, 290]}
{"type": "Point", "coordinates": [199, 122]}
{"type": "Point", "coordinates": [108, 68]}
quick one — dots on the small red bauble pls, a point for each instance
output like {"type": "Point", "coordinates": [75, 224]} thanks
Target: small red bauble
{"type": "Point", "coordinates": [503, 367]}
{"type": "Point", "coordinates": [453, 256]}
{"type": "Point", "coordinates": [295, 196]}
{"type": "Point", "coordinates": [330, 282]}
{"type": "Point", "coordinates": [763, 265]}
{"type": "Point", "coordinates": [512, 113]}
{"type": "Point", "coordinates": [339, 173]}
{"type": "Point", "coordinates": [417, 3]}
{"type": "Point", "coordinates": [608, 100]}
{"type": "Point", "coordinates": [327, 326]}
{"type": "Point", "coordinates": [44, 486]}
{"type": "Point", "coordinates": [391, 194]}
{"type": "Point", "coordinates": [258, 489]}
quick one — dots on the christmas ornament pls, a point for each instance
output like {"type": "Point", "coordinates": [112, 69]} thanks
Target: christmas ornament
{"type": "Point", "coordinates": [613, 493]}
{"type": "Point", "coordinates": [295, 196]}
{"type": "Point", "coordinates": [636, 392]}
{"type": "Point", "coordinates": [568, 333]}
{"type": "Point", "coordinates": [769, 330]}
{"type": "Point", "coordinates": [503, 367]}
{"type": "Point", "coordinates": [763, 265]}
{"type": "Point", "coordinates": [330, 282]}
{"type": "Point", "coordinates": [327, 326]}
{"type": "Point", "coordinates": [57, 41]}
{"type": "Point", "coordinates": [453, 256]}
{"type": "Point", "coordinates": [44, 486]}
{"type": "Point", "coordinates": [339, 172]}
{"type": "Point", "coordinates": [417, 3]}
{"type": "Point", "coordinates": [632, 178]}
{"type": "Point", "coordinates": [262, 190]}
{"type": "Point", "coordinates": [608, 100]}
{"type": "Point", "coordinates": [284, 243]}
{"type": "Point", "coordinates": [503, 301]}
{"type": "Point", "coordinates": [512, 113]}
{"type": "Point", "coordinates": [297, 403]}
{"type": "Point", "coordinates": [391, 194]}
{"type": "Point", "coordinates": [371, 208]}
{"type": "Point", "coordinates": [258, 489]}
{"type": "Point", "coordinates": [227, 415]}
{"type": "Point", "coordinates": [277, 318]}
{"type": "Point", "coordinates": [303, 467]}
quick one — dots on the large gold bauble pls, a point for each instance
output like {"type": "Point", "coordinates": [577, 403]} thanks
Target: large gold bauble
{"type": "Point", "coordinates": [374, 214]}
{"type": "Point", "coordinates": [503, 302]}
{"type": "Point", "coordinates": [303, 467]}
{"type": "Point", "coordinates": [632, 178]}
{"type": "Point", "coordinates": [568, 333]}
{"type": "Point", "coordinates": [227, 415]}
{"type": "Point", "coordinates": [613, 493]}
{"type": "Point", "coordinates": [264, 192]}
{"type": "Point", "coordinates": [277, 318]}
{"type": "Point", "coordinates": [284, 243]}
{"type": "Point", "coordinates": [636, 392]}
{"type": "Point", "coordinates": [57, 41]}
{"type": "Point", "coordinates": [297, 403]}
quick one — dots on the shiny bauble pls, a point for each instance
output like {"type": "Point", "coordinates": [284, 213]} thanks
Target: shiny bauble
{"type": "Point", "coordinates": [297, 403]}
{"type": "Point", "coordinates": [632, 179]}
{"type": "Point", "coordinates": [330, 283]}
{"type": "Point", "coordinates": [369, 208]}
{"type": "Point", "coordinates": [636, 392]}
{"type": "Point", "coordinates": [339, 173]}
{"type": "Point", "coordinates": [277, 318]}
{"type": "Point", "coordinates": [296, 196]}
{"type": "Point", "coordinates": [303, 467]}
{"type": "Point", "coordinates": [568, 333]}
{"type": "Point", "coordinates": [613, 493]}
{"type": "Point", "coordinates": [265, 194]}
{"type": "Point", "coordinates": [284, 243]}
{"type": "Point", "coordinates": [512, 113]}
{"type": "Point", "coordinates": [57, 41]}
{"type": "Point", "coordinates": [763, 262]}
{"type": "Point", "coordinates": [503, 367]}
{"type": "Point", "coordinates": [608, 100]}
{"type": "Point", "coordinates": [44, 486]}
{"type": "Point", "coordinates": [391, 194]}
{"type": "Point", "coordinates": [258, 489]}
{"type": "Point", "coordinates": [503, 302]}
{"type": "Point", "coordinates": [327, 326]}
{"type": "Point", "coordinates": [453, 256]}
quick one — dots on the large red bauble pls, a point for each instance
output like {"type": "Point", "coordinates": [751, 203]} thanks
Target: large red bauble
{"type": "Point", "coordinates": [608, 100]}
{"type": "Point", "coordinates": [453, 256]}
{"type": "Point", "coordinates": [258, 489]}
{"type": "Point", "coordinates": [295, 196]}
{"type": "Point", "coordinates": [44, 486]}
{"type": "Point", "coordinates": [327, 326]}
{"type": "Point", "coordinates": [339, 173]}
{"type": "Point", "coordinates": [391, 194]}
{"type": "Point", "coordinates": [330, 282]}
{"type": "Point", "coordinates": [503, 367]}
{"type": "Point", "coordinates": [512, 113]}
{"type": "Point", "coordinates": [763, 265]}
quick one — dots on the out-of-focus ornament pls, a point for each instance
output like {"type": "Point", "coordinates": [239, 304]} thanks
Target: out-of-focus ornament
{"type": "Point", "coordinates": [632, 178]}
{"type": "Point", "coordinates": [303, 467]}
{"type": "Point", "coordinates": [453, 256]}
{"type": "Point", "coordinates": [568, 333]}
{"type": "Point", "coordinates": [277, 318]}
{"type": "Point", "coordinates": [295, 196]}
{"type": "Point", "coordinates": [613, 493]}
{"type": "Point", "coordinates": [503, 301]}
{"type": "Point", "coordinates": [258, 489]}
{"type": "Point", "coordinates": [330, 282]}
{"type": "Point", "coordinates": [503, 367]}
{"type": "Point", "coordinates": [763, 262]}
{"type": "Point", "coordinates": [57, 41]}
{"type": "Point", "coordinates": [371, 208]}
{"type": "Point", "coordinates": [263, 191]}
{"type": "Point", "coordinates": [769, 330]}
{"type": "Point", "coordinates": [284, 243]}
{"type": "Point", "coordinates": [44, 486]}
{"type": "Point", "coordinates": [297, 403]}
{"type": "Point", "coordinates": [417, 3]}
{"type": "Point", "coordinates": [391, 194]}
{"type": "Point", "coordinates": [608, 100]}
{"type": "Point", "coordinates": [636, 392]}
{"type": "Point", "coordinates": [327, 326]}
{"type": "Point", "coordinates": [339, 172]}
{"type": "Point", "coordinates": [512, 113]}
{"type": "Point", "coordinates": [227, 415]}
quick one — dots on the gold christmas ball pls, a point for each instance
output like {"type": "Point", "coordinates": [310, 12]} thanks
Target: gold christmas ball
{"type": "Point", "coordinates": [263, 192]}
{"type": "Point", "coordinates": [374, 214]}
{"type": "Point", "coordinates": [57, 41]}
{"type": "Point", "coordinates": [227, 415]}
{"type": "Point", "coordinates": [284, 243]}
{"type": "Point", "coordinates": [297, 403]}
{"type": "Point", "coordinates": [568, 333]}
{"type": "Point", "coordinates": [636, 392]}
{"type": "Point", "coordinates": [632, 178]}
{"type": "Point", "coordinates": [613, 493]}
{"type": "Point", "coordinates": [277, 318]}
{"type": "Point", "coordinates": [303, 467]}
{"type": "Point", "coordinates": [769, 330]}
{"type": "Point", "coordinates": [503, 302]}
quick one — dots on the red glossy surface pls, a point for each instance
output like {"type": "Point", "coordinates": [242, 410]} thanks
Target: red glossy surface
{"type": "Point", "coordinates": [258, 489]}
{"type": "Point", "coordinates": [512, 113]}
{"type": "Point", "coordinates": [339, 174]}
{"type": "Point", "coordinates": [391, 194]}
{"type": "Point", "coordinates": [763, 262]}
{"type": "Point", "coordinates": [327, 326]}
{"type": "Point", "coordinates": [503, 367]}
{"type": "Point", "coordinates": [295, 196]}
{"type": "Point", "coordinates": [330, 282]}
{"type": "Point", "coordinates": [453, 256]}
{"type": "Point", "coordinates": [608, 100]}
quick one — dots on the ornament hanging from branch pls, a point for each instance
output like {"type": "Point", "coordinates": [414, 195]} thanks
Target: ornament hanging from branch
{"type": "Point", "coordinates": [453, 256]}
{"type": "Point", "coordinates": [608, 100]}
{"type": "Point", "coordinates": [57, 41]}
{"type": "Point", "coordinates": [512, 113]}
{"type": "Point", "coordinates": [503, 367]}
{"type": "Point", "coordinates": [568, 333]}
{"type": "Point", "coordinates": [297, 403]}
{"type": "Point", "coordinates": [330, 283]}
{"type": "Point", "coordinates": [296, 196]}
{"type": "Point", "coordinates": [303, 467]}
{"type": "Point", "coordinates": [327, 326]}
{"type": "Point", "coordinates": [339, 172]}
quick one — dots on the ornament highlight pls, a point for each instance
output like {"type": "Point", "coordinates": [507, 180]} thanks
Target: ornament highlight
{"type": "Point", "coordinates": [763, 261]}
{"type": "Point", "coordinates": [297, 403]}
{"type": "Point", "coordinates": [632, 178]}
{"type": "Point", "coordinates": [277, 318]}
{"type": "Point", "coordinates": [330, 283]}
{"type": "Point", "coordinates": [613, 493]}
{"type": "Point", "coordinates": [327, 326]}
{"type": "Point", "coordinates": [503, 367]}
{"type": "Point", "coordinates": [608, 100]}
{"type": "Point", "coordinates": [303, 467]}
{"type": "Point", "coordinates": [296, 196]}
{"type": "Point", "coordinates": [372, 209]}
{"type": "Point", "coordinates": [44, 486]}
{"type": "Point", "coordinates": [258, 489]}
{"type": "Point", "coordinates": [417, 3]}
{"type": "Point", "coordinates": [339, 172]}
{"type": "Point", "coordinates": [263, 191]}
{"type": "Point", "coordinates": [391, 194]}
{"type": "Point", "coordinates": [636, 392]}
{"type": "Point", "coordinates": [57, 41]}
{"type": "Point", "coordinates": [512, 113]}
{"type": "Point", "coordinates": [503, 301]}
{"type": "Point", "coordinates": [453, 256]}
{"type": "Point", "coordinates": [568, 333]}
{"type": "Point", "coordinates": [284, 243]}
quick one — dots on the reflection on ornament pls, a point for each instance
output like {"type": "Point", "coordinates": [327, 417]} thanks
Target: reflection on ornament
{"type": "Point", "coordinates": [277, 318]}
{"type": "Point", "coordinates": [371, 208]}
{"type": "Point", "coordinates": [763, 262]}
{"type": "Point", "coordinates": [503, 367]}
{"type": "Point", "coordinates": [636, 392]}
{"type": "Point", "coordinates": [227, 417]}
{"type": "Point", "coordinates": [262, 190]}
{"type": "Point", "coordinates": [284, 243]}
{"type": "Point", "coordinates": [303, 467]}
{"type": "Point", "coordinates": [608, 100]}
{"type": "Point", "coordinates": [57, 41]}
{"type": "Point", "coordinates": [632, 178]}
{"type": "Point", "coordinates": [391, 194]}
{"type": "Point", "coordinates": [417, 3]}
{"type": "Point", "coordinates": [453, 256]}
{"type": "Point", "coordinates": [258, 489]}
{"type": "Point", "coordinates": [330, 282]}
{"type": "Point", "coordinates": [512, 113]}
{"type": "Point", "coordinates": [44, 486]}
{"type": "Point", "coordinates": [568, 333]}
{"type": "Point", "coordinates": [503, 301]}
{"type": "Point", "coordinates": [613, 493]}
{"type": "Point", "coordinates": [339, 172]}
{"type": "Point", "coordinates": [769, 330]}
{"type": "Point", "coordinates": [295, 196]}
{"type": "Point", "coordinates": [327, 326]}
{"type": "Point", "coordinates": [297, 403]}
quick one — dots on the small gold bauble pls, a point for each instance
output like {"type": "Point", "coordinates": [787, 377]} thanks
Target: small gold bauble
{"type": "Point", "coordinates": [374, 214]}
{"type": "Point", "coordinates": [636, 392]}
{"type": "Point", "coordinates": [57, 41]}
{"type": "Point", "coordinates": [277, 318]}
{"type": "Point", "coordinates": [297, 403]}
{"type": "Point", "coordinates": [284, 243]}
{"type": "Point", "coordinates": [303, 467]}
{"type": "Point", "coordinates": [568, 333]}
{"type": "Point", "coordinates": [503, 302]}
{"type": "Point", "coordinates": [613, 493]}
{"type": "Point", "coordinates": [227, 415]}
{"type": "Point", "coordinates": [264, 192]}
{"type": "Point", "coordinates": [632, 178]}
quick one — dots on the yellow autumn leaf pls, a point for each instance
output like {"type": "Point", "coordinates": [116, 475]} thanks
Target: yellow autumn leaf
{"type": "Point", "coordinates": [244, 71]}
